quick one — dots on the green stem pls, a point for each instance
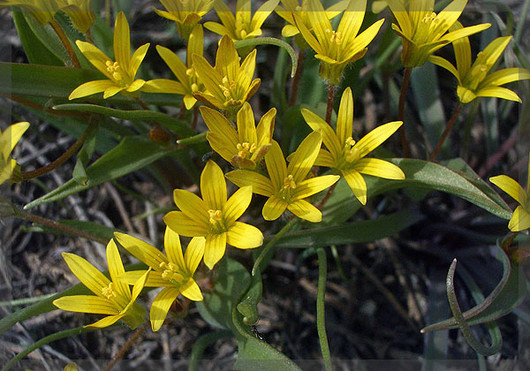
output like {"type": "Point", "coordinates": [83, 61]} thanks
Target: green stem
{"type": "Point", "coordinates": [64, 40]}
{"type": "Point", "coordinates": [58, 226]}
{"type": "Point", "coordinates": [321, 312]}
{"type": "Point", "coordinates": [401, 110]}
{"type": "Point", "coordinates": [26, 175]}
{"type": "Point", "coordinates": [448, 128]}
{"type": "Point", "coordinates": [331, 95]}
{"type": "Point", "coordinates": [296, 80]}
{"type": "Point", "coordinates": [268, 247]}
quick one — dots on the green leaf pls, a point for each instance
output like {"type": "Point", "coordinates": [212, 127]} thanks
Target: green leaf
{"type": "Point", "coordinates": [133, 153]}
{"type": "Point", "coordinates": [248, 307]}
{"type": "Point", "coordinates": [356, 232]}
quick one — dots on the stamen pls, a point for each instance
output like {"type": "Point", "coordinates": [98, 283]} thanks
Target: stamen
{"type": "Point", "coordinates": [108, 292]}
{"type": "Point", "coordinates": [289, 183]}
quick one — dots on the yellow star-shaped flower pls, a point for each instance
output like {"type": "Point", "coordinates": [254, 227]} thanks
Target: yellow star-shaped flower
{"type": "Point", "coordinates": [245, 148]}
{"type": "Point", "coordinates": [9, 169]}
{"type": "Point", "coordinates": [241, 26]}
{"type": "Point", "coordinates": [287, 186]}
{"type": "Point", "coordinates": [521, 216]}
{"type": "Point", "coordinates": [112, 297]}
{"type": "Point", "coordinates": [214, 217]}
{"type": "Point", "coordinates": [121, 72]}
{"type": "Point", "coordinates": [423, 31]}
{"type": "Point", "coordinates": [188, 81]}
{"type": "Point", "coordinates": [185, 13]}
{"type": "Point", "coordinates": [348, 156]}
{"type": "Point", "coordinates": [42, 10]}
{"type": "Point", "coordinates": [228, 84]}
{"type": "Point", "coordinates": [173, 271]}
{"type": "Point", "coordinates": [80, 13]}
{"type": "Point", "coordinates": [336, 49]}
{"type": "Point", "coordinates": [475, 80]}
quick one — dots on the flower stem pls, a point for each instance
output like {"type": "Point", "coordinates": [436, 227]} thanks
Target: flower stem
{"type": "Point", "coordinates": [58, 226]}
{"type": "Point", "coordinates": [126, 347]}
{"type": "Point", "coordinates": [26, 175]}
{"type": "Point", "coordinates": [296, 79]}
{"type": "Point", "coordinates": [331, 95]}
{"type": "Point", "coordinates": [321, 312]}
{"type": "Point", "coordinates": [448, 128]}
{"type": "Point", "coordinates": [401, 110]}
{"type": "Point", "coordinates": [326, 196]}
{"type": "Point", "coordinates": [268, 247]}
{"type": "Point", "coordinates": [62, 36]}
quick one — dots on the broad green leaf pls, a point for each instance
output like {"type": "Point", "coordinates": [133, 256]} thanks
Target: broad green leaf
{"type": "Point", "coordinates": [355, 232]}
{"type": "Point", "coordinates": [419, 174]}
{"type": "Point", "coordinates": [35, 50]}
{"type": "Point", "coordinates": [132, 154]}
{"type": "Point", "coordinates": [248, 306]}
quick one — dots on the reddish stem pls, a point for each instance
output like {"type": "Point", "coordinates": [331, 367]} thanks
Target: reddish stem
{"type": "Point", "coordinates": [331, 95]}
{"type": "Point", "coordinates": [448, 128]}
{"type": "Point", "coordinates": [401, 110]}
{"type": "Point", "coordinates": [296, 79]}
{"type": "Point", "coordinates": [64, 40]}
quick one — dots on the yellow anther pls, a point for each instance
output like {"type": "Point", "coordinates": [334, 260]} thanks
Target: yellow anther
{"type": "Point", "coordinates": [429, 18]}
{"type": "Point", "coordinates": [190, 72]}
{"type": "Point", "coordinates": [243, 34]}
{"type": "Point", "coordinates": [194, 88]}
{"type": "Point", "coordinates": [289, 183]}
{"type": "Point", "coordinates": [350, 142]}
{"type": "Point", "coordinates": [245, 149]}
{"type": "Point", "coordinates": [336, 37]}
{"type": "Point", "coordinates": [215, 216]}
{"type": "Point", "coordinates": [108, 292]}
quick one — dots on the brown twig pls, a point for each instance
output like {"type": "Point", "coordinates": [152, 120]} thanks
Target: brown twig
{"type": "Point", "coordinates": [331, 95]}
{"type": "Point", "coordinates": [448, 128]}
{"type": "Point", "coordinates": [401, 110]}
{"type": "Point", "coordinates": [326, 196]}
{"type": "Point", "coordinates": [139, 331]}
{"type": "Point", "coordinates": [496, 157]}
{"type": "Point", "coordinates": [62, 36]}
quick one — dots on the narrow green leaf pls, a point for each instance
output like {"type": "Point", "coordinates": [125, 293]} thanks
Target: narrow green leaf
{"type": "Point", "coordinates": [133, 153]}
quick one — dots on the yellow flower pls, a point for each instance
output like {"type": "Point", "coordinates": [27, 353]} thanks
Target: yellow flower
{"type": "Point", "coordinates": [80, 13]}
{"type": "Point", "coordinates": [42, 10]}
{"type": "Point", "coordinates": [243, 25]}
{"type": "Point", "coordinates": [521, 216]}
{"type": "Point", "coordinates": [173, 271]}
{"type": "Point", "coordinates": [188, 80]}
{"type": "Point", "coordinates": [213, 217]}
{"type": "Point", "coordinates": [292, 6]}
{"type": "Point", "coordinates": [423, 32]}
{"type": "Point", "coordinates": [474, 80]}
{"type": "Point", "coordinates": [112, 297]}
{"type": "Point", "coordinates": [346, 155]}
{"type": "Point", "coordinates": [185, 13]}
{"type": "Point", "coordinates": [245, 148]}
{"type": "Point", "coordinates": [120, 73]}
{"type": "Point", "coordinates": [228, 84]}
{"type": "Point", "coordinates": [336, 49]}
{"type": "Point", "coordinates": [287, 187]}
{"type": "Point", "coordinates": [9, 169]}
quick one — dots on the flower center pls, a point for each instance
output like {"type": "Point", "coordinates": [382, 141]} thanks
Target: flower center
{"type": "Point", "coordinates": [216, 221]}
{"type": "Point", "coordinates": [108, 291]}
{"type": "Point", "coordinates": [171, 273]}
{"type": "Point", "coordinates": [245, 149]}
{"type": "Point", "coordinates": [335, 37]}
{"type": "Point", "coordinates": [351, 153]}
{"type": "Point", "coordinates": [115, 70]}
{"type": "Point", "coordinates": [288, 186]}
{"type": "Point", "coordinates": [241, 29]}
{"type": "Point", "coordinates": [228, 88]}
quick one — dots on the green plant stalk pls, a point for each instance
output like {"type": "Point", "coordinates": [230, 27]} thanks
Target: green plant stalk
{"type": "Point", "coordinates": [44, 341]}
{"type": "Point", "coordinates": [401, 110]}
{"type": "Point", "coordinates": [286, 228]}
{"type": "Point", "coordinates": [64, 40]}
{"type": "Point", "coordinates": [24, 301]}
{"type": "Point", "coordinates": [446, 132]}
{"type": "Point", "coordinates": [321, 311]}
{"type": "Point", "coordinates": [26, 175]}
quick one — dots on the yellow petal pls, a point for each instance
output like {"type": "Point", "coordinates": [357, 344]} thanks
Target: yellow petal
{"type": "Point", "coordinates": [244, 236]}
{"type": "Point", "coordinates": [273, 208]}
{"type": "Point", "coordinates": [219, 145]}
{"type": "Point", "coordinates": [499, 92]}
{"type": "Point", "coordinates": [304, 157]}
{"type": "Point", "coordinates": [520, 220]}
{"type": "Point", "coordinates": [192, 291]}
{"type": "Point", "coordinates": [10, 137]}
{"type": "Point", "coordinates": [357, 184]}
{"type": "Point", "coordinates": [161, 305]}
{"type": "Point", "coordinates": [191, 205]}
{"type": "Point", "coordinates": [122, 42]}
{"type": "Point", "coordinates": [218, 28]}
{"type": "Point", "coordinates": [224, 136]}
{"type": "Point", "coordinates": [106, 322]}
{"type": "Point", "coordinates": [95, 56]}
{"type": "Point", "coordinates": [236, 205]}
{"type": "Point", "coordinates": [246, 126]}
{"type": "Point", "coordinates": [213, 186]}
{"type": "Point", "coordinates": [276, 167]}
{"type": "Point", "coordinates": [184, 225]}
{"type": "Point", "coordinates": [112, 91]}
{"type": "Point", "coordinates": [379, 168]}
{"type": "Point", "coordinates": [325, 159]}
{"type": "Point", "coordinates": [194, 253]}
{"type": "Point", "coordinates": [345, 118]}
{"type": "Point", "coordinates": [265, 127]}
{"type": "Point", "coordinates": [144, 252]}
{"type": "Point", "coordinates": [330, 139]}
{"type": "Point", "coordinates": [376, 137]}
{"type": "Point", "coordinates": [86, 304]}
{"type": "Point", "coordinates": [89, 276]}
{"type": "Point", "coordinates": [444, 63]}
{"type": "Point", "coordinates": [262, 13]}
{"type": "Point", "coordinates": [260, 183]}
{"type": "Point", "coordinates": [173, 248]}
{"type": "Point", "coordinates": [352, 19]}
{"type": "Point", "coordinates": [195, 43]}
{"type": "Point", "coordinates": [304, 210]}
{"type": "Point", "coordinates": [506, 76]}
{"type": "Point", "coordinates": [174, 63]}
{"type": "Point", "coordinates": [214, 249]}
{"type": "Point", "coordinates": [116, 269]}
{"type": "Point", "coordinates": [91, 87]}
{"type": "Point", "coordinates": [137, 58]}
{"type": "Point", "coordinates": [511, 187]}
{"type": "Point", "coordinates": [154, 279]}
{"type": "Point", "coordinates": [314, 185]}
{"type": "Point", "coordinates": [163, 86]}
{"type": "Point", "coordinates": [208, 76]}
